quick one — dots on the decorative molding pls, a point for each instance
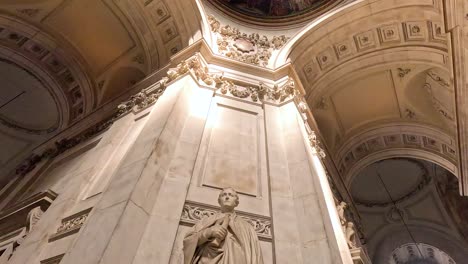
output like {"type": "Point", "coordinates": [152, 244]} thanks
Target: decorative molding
{"type": "Point", "coordinates": [19, 219]}
{"type": "Point", "coordinates": [312, 137]}
{"type": "Point", "coordinates": [344, 49]}
{"type": "Point", "coordinates": [71, 225]}
{"type": "Point", "coordinates": [380, 139]}
{"type": "Point", "coordinates": [410, 114]}
{"type": "Point", "coordinates": [196, 66]}
{"type": "Point", "coordinates": [365, 40]}
{"type": "Point", "coordinates": [396, 215]}
{"type": "Point", "coordinates": [14, 126]}
{"type": "Point", "coordinates": [375, 39]}
{"type": "Point", "coordinates": [389, 34]}
{"type": "Point", "coordinates": [433, 79]}
{"type": "Point", "coordinates": [434, 76]}
{"type": "Point", "coordinates": [253, 48]}
{"type": "Point", "coordinates": [194, 212]}
{"type": "Point", "coordinates": [415, 30]}
{"type": "Point", "coordinates": [139, 58]}
{"type": "Point", "coordinates": [402, 72]}
{"type": "Point", "coordinates": [61, 146]}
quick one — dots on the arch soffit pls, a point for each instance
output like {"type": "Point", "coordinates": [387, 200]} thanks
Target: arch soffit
{"type": "Point", "coordinates": [59, 61]}
{"type": "Point", "coordinates": [161, 33]}
{"type": "Point", "coordinates": [359, 29]}
{"type": "Point", "coordinates": [170, 26]}
{"type": "Point", "coordinates": [391, 58]}
{"type": "Point", "coordinates": [393, 140]}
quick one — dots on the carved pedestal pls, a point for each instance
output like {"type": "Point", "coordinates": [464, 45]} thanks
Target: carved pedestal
{"type": "Point", "coordinates": [359, 256]}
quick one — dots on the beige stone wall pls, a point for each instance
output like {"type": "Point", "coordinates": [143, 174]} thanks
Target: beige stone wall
{"type": "Point", "coordinates": [122, 195]}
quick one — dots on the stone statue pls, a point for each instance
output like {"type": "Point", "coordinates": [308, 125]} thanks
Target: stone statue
{"type": "Point", "coordinates": [223, 238]}
{"type": "Point", "coordinates": [341, 212]}
{"type": "Point", "coordinates": [350, 235]}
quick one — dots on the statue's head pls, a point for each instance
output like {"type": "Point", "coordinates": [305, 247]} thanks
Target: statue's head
{"type": "Point", "coordinates": [228, 199]}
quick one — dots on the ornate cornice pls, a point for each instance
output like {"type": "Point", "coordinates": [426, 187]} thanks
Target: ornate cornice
{"type": "Point", "coordinates": [61, 146]}
{"type": "Point", "coordinates": [198, 68]}
{"type": "Point", "coordinates": [311, 135]}
{"type": "Point", "coordinates": [248, 48]}
{"type": "Point", "coordinates": [194, 212]}
{"type": "Point", "coordinates": [393, 137]}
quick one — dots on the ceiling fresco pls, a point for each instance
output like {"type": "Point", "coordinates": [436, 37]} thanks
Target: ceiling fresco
{"type": "Point", "coordinates": [273, 9]}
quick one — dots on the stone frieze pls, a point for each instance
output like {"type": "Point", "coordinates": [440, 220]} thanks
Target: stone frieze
{"type": "Point", "coordinates": [194, 212]}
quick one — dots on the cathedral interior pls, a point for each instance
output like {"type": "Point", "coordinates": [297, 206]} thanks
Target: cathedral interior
{"type": "Point", "coordinates": [341, 124]}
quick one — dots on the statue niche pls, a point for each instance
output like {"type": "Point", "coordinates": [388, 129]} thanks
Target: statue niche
{"type": "Point", "coordinates": [223, 238]}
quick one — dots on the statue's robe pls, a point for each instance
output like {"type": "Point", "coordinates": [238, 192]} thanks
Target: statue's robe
{"type": "Point", "coordinates": [241, 245]}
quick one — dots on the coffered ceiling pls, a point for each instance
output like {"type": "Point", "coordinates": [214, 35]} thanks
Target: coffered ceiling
{"type": "Point", "coordinates": [68, 58]}
{"type": "Point", "coordinates": [377, 79]}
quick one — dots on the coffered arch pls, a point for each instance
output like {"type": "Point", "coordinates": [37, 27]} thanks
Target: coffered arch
{"type": "Point", "coordinates": [92, 51]}
{"type": "Point", "coordinates": [23, 41]}
{"type": "Point", "coordinates": [393, 140]}
{"type": "Point", "coordinates": [367, 96]}
{"type": "Point", "coordinates": [360, 27]}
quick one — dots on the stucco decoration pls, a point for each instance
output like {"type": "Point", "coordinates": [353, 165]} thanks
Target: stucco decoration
{"type": "Point", "coordinates": [193, 213]}
{"type": "Point", "coordinates": [249, 48]}
{"type": "Point", "coordinates": [196, 66]}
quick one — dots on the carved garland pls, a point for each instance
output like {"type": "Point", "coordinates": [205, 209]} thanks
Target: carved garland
{"type": "Point", "coordinates": [61, 146]}
{"type": "Point", "coordinates": [253, 48]}
{"type": "Point", "coordinates": [71, 225]}
{"type": "Point", "coordinates": [197, 67]}
{"type": "Point", "coordinates": [193, 212]}
{"type": "Point", "coordinates": [313, 141]}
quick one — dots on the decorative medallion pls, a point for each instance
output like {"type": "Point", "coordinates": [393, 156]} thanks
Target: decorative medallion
{"type": "Point", "coordinates": [244, 45]}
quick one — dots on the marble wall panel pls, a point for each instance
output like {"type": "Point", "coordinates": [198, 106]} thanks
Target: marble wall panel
{"type": "Point", "coordinates": [231, 158]}
{"type": "Point", "coordinates": [232, 153]}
